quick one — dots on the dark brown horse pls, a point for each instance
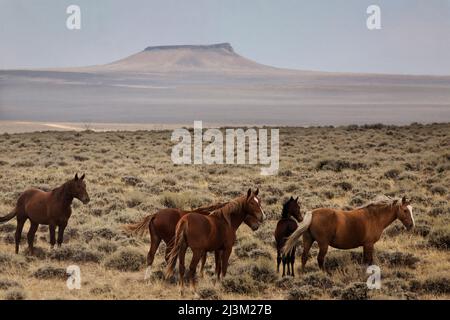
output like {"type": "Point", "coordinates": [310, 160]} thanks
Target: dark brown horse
{"type": "Point", "coordinates": [285, 227]}
{"type": "Point", "coordinates": [161, 226]}
{"type": "Point", "coordinates": [349, 229]}
{"type": "Point", "coordinates": [51, 208]}
{"type": "Point", "coordinates": [215, 232]}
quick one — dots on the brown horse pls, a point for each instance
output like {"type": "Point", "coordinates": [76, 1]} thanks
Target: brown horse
{"type": "Point", "coordinates": [51, 208]}
{"type": "Point", "coordinates": [285, 227]}
{"type": "Point", "coordinates": [215, 232]}
{"type": "Point", "coordinates": [362, 226]}
{"type": "Point", "coordinates": [161, 226]}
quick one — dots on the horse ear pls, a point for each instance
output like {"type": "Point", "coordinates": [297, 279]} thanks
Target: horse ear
{"type": "Point", "coordinates": [394, 202]}
{"type": "Point", "coordinates": [82, 177]}
{"type": "Point", "coordinates": [404, 200]}
{"type": "Point", "coordinates": [249, 193]}
{"type": "Point", "coordinates": [291, 198]}
{"type": "Point", "coordinates": [296, 199]}
{"type": "Point", "coordinates": [76, 176]}
{"type": "Point", "coordinates": [257, 191]}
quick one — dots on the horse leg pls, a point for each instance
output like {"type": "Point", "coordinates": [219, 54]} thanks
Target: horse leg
{"type": "Point", "coordinates": [61, 229]}
{"type": "Point", "coordinates": [284, 265]}
{"type": "Point", "coordinates": [19, 228]}
{"type": "Point", "coordinates": [154, 244]}
{"type": "Point", "coordinates": [196, 256]}
{"type": "Point", "coordinates": [292, 260]}
{"type": "Point", "coordinates": [225, 256]}
{"type": "Point", "coordinates": [31, 233]}
{"type": "Point", "coordinates": [52, 229]}
{"type": "Point", "coordinates": [368, 254]}
{"type": "Point", "coordinates": [181, 268]}
{"type": "Point", "coordinates": [307, 243]}
{"type": "Point", "coordinates": [278, 259]}
{"type": "Point", "coordinates": [202, 264]}
{"type": "Point", "coordinates": [323, 248]}
{"type": "Point", "coordinates": [218, 258]}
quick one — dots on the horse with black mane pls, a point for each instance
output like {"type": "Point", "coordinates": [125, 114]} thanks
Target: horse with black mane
{"type": "Point", "coordinates": [51, 208]}
{"type": "Point", "coordinates": [341, 229]}
{"type": "Point", "coordinates": [285, 227]}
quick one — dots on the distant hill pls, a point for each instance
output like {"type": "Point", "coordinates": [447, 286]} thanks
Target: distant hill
{"type": "Point", "coordinates": [219, 57]}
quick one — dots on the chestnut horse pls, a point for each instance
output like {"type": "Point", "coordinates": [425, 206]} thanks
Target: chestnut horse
{"type": "Point", "coordinates": [285, 227]}
{"type": "Point", "coordinates": [161, 226]}
{"type": "Point", "coordinates": [215, 232]}
{"type": "Point", "coordinates": [362, 226]}
{"type": "Point", "coordinates": [51, 208]}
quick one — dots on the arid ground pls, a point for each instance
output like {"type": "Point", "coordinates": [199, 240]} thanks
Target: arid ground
{"type": "Point", "coordinates": [130, 175]}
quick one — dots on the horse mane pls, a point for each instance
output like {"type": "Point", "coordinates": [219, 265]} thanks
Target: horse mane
{"type": "Point", "coordinates": [285, 212]}
{"type": "Point", "coordinates": [230, 207]}
{"type": "Point", "coordinates": [210, 208]}
{"type": "Point", "coordinates": [61, 190]}
{"type": "Point", "coordinates": [380, 202]}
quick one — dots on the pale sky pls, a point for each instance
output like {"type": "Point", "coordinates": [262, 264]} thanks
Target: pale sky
{"type": "Point", "coordinates": [315, 35]}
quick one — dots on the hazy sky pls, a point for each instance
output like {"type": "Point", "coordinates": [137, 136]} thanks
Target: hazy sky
{"type": "Point", "coordinates": [317, 35]}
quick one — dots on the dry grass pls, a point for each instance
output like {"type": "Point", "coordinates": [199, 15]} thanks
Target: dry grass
{"type": "Point", "coordinates": [130, 174]}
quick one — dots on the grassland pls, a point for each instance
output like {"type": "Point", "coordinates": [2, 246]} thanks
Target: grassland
{"type": "Point", "coordinates": [130, 174]}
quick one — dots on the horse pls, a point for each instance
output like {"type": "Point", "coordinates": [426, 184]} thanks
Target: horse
{"type": "Point", "coordinates": [362, 226]}
{"type": "Point", "coordinates": [285, 227]}
{"type": "Point", "coordinates": [51, 208]}
{"type": "Point", "coordinates": [214, 232]}
{"type": "Point", "coordinates": [161, 226]}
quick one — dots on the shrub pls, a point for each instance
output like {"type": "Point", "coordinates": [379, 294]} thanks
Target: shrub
{"type": "Point", "coordinates": [440, 238]}
{"type": "Point", "coordinates": [15, 294]}
{"type": "Point", "coordinates": [6, 284]}
{"type": "Point", "coordinates": [398, 258]}
{"type": "Point", "coordinates": [50, 272]}
{"type": "Point", "coordinates": [103, 289]}
{"type": "Point", "coordinates": [8, 261]}
{"type": "Point", "coordinates": [318, 280]}
{"type": "Point", "coordinates": [339, 165]}
{"type": "Point", "coordinates": [437, 285]}
{"type": "Point", "coordinates": [355, 291]}
{"type": "Point", "coordinates": [104, 233]}
{"type": "Point", "coordinates": [184, 200]}
{"type": "Point", "coordinates": [346, 186]}
{"type": "Point", "coordinates": [208, 293]}
{"type": "Point", "coordinates": [76, 254]}
{"type": "Point", "coordinates": [306, 292]}
{"type": "Point", "coordinates": [262, 271]}
{"type": "Point", "coordinates": [106, 246]}
{"type": "Point", "coordinates": [392, 174]}
{"type": "Point", "coordinates": [134, 198]}
{"type": "Point", "coordinates": [240, 284]}
{"type": "Point", "coordinates": [126, 259]}
{"type": "Point", "coordinates": [439, 190]}
{"type": "Point", "coordinates": [131, 180]}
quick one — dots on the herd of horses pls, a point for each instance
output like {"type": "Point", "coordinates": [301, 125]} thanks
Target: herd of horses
{"type": "Point", "coordinates": [213, 228]}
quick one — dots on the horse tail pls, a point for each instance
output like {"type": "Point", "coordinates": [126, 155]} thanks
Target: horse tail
{"type": "Point", "coordinates": [8, 216]}
{"type": "Point", "coordinates": [293, 239]}
{"type": "Point", "coordinates": [178, 242]}
{"type": "Point", "coordinates": [140, 227]}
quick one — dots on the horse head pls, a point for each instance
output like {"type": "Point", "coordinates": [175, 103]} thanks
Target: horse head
{"type": "Point", "coordinates": [404, 213]}
{"type": "Point", "coordinates": [254, 214]}
{"type": "Point", "coordinates": [291, 208]}
{"type": "Point", "coordinates": [78, 189]}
